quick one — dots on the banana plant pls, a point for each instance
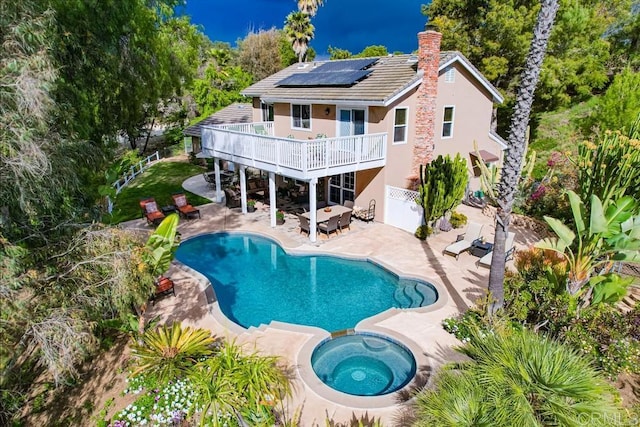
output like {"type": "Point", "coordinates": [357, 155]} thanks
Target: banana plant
{"type": "Point", "coordinates": [610, 233]}
{"type": "Point", "coordinates": [162, 245]}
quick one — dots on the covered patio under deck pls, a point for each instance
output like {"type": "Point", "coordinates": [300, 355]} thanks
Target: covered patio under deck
{"type": "Point", "coordinates": [252, 145]}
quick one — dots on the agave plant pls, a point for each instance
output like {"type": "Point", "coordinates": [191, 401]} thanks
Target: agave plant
{"type": "Point", "coordinates": [517, 378]}
{"type": "Point", "coordinates": [610, 233]}
{"type": "Point", "coordinates": [170, 351]}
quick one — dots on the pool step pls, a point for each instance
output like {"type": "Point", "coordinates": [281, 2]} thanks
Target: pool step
{"type": "Point", "coordinates": [411, 295]}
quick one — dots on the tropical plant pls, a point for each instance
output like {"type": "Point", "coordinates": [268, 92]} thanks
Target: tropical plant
{"type": "Point", "coordinates": [608, 233]}
{"type": "Point", "coordinates": [249, 385]}
{"type": "Point", "coordinates": [162, 245]}
{"type": "Point", "coordinates": [517, 378]}
{"type": "Point", "coordinates": [171, 351]}
{"type": "Point", "coordinates": [442, 186]}
{"type": "Point", "coordinates": [610, 168]}
{"type": "Point", "coordinates": [299, 31]}
{"type": "Point", "coordinates": [310, 7]}
{"type": "Point", "coordinates": [511, 170]}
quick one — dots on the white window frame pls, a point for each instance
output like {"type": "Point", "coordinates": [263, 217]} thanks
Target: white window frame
{"type": "Point", "coordinates": [301, 119]}
{"type": "Point", "coordinates": [453, 115]}
{"type": "Point", "coordinates": [405, 125]}
{"type": "Point", "coordinates": [450, 74]}
{"type": "Point", "coordinates": [266, 109]}
{"type": "Point", "coordinates": [339, 108]}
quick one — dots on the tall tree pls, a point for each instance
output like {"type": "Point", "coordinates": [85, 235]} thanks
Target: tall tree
{"type": "Point", "coordinates": [261, 54]}
{"type": "Point", "coordinates": [299, 30]}
{"type": "Point", "coordinates": [495, 35]}
{"type": "Point", "coordinates": [310, 7]}
{"type": "Point", "coordinates": [516, 148]}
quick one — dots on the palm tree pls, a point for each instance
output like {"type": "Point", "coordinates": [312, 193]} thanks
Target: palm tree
{"type": "Point", "coordinates": [299, 31]}
{"type": "Point", "coordinates": [310, 7]}
{"type": "Point", "coordinates": [515, 153]}
{"type": "Point", "coordinates": [517, 378]}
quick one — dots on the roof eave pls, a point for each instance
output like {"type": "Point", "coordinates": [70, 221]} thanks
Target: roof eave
{"type": "Point", "coordinates": [497, 96]}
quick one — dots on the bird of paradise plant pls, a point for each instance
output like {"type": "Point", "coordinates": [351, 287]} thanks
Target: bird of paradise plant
{"type": "Point", "coordinates": [608, 233]}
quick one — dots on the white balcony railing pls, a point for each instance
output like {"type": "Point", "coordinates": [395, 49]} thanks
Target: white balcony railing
{"type": "Point", "coordinates": [252, 145]}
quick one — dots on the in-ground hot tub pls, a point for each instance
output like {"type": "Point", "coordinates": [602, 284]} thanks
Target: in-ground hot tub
{"type": "Point", "coordinates": [363, 364]}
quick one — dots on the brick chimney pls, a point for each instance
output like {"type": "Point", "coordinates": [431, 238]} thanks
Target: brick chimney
{"type": "Point", "coordinates": [428, 63]}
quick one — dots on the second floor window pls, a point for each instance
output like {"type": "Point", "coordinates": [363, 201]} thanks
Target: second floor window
{"type": "Point", "coordinates": [447, 123]}
{"type": "Point", "coordinates": [400, 126]}
{"type": "Point", "coordinates": [301, 116]}
{"type": "Point", "coordinates": [267, 112]}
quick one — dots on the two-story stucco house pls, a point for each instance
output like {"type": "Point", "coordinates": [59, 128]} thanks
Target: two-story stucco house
{"type": "Point", "coordinates": [357, 129]}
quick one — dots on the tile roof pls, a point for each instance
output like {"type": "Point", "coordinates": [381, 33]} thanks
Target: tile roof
{"type": "Point", "coordinates": [234, 113]}
{"type": "Point", "coordinates": [390, 76]}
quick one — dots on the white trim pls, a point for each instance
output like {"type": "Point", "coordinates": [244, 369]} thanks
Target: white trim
{"type": "Point", "coordinates": [500, 140]}
{"type": "Point", "coordinates": [310, 116]}
{"type": "Point", "coordinates": [450, 74]}
{"type": "Point", "coordinates": [404, 91]}
{"type": "Point", "coordinates": [453, 119]}
{"type": "Point", "coordinates": [406, 126]}
{"type": "Point", "coordinates": [475, 73]}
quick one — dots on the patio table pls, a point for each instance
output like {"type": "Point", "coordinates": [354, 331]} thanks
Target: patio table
{"type": "Point", "coordinates": [322, 215]}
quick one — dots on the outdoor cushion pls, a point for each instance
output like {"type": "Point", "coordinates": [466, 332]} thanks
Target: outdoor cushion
{"type": "Point", "coordinates": [151, 207]}
{"type": "Point", "coordinates": [180, 200]}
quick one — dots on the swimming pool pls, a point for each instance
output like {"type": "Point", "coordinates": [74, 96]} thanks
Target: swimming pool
{"type": "Point", "coordinates": [257, 282]}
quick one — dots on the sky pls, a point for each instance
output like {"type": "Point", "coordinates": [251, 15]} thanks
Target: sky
{"type": "Point", "coordinates": [346, 24]}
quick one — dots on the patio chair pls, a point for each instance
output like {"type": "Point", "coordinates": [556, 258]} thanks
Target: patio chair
{"type": "Point", "coordinates": [210, 178]}
{"type": "Point", "coordinates": [151, 211]}
{"type": "Point", "coordinates": [304, 224]}
{"type": "Point", "coordinates": [348, 204]}
{"type": "Point", "coordinates": [367, 214]}
{"type": "Point", "coordinates": [232, 199]}
{"type": "Point", "coordinates": [510, 249]}
{"type": "Point", "coordinates": [164, 286]}
{"type": "Point", "coordinates": [184, 208]}
{"type": "Point", "coordinates": [329, 226]}
{"type": "Point", "coordinates": [345, 221]}
{"type": "Point", "coordinates": [464, 241]}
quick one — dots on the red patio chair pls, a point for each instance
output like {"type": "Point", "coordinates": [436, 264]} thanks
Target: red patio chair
{"type": "Point", "coordinates": [186, 210]}
{"type": "Point", "coordinates": [151, 211]}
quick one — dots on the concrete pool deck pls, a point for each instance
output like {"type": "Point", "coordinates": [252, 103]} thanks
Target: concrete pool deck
{"type": "Point", "coordinates": [419, 329]}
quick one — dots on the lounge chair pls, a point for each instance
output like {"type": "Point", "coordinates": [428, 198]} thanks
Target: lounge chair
{"type": "Point", "coordinates": [464, 241]}
{"type": "Point", "coordinates": [184, 208]}
{"type": "Point", "coordinates": [510, 249]}
{"type": "Point", "coordinates": [304, 224]}
{"type": "Point", "coordinates": [329, 226]}
{"type": "Point", "coordinates": [151, 211]}
{"type": "Point", "coordinates": [345, 221]}
{"type": "Point", "coordinates": [164, 286]}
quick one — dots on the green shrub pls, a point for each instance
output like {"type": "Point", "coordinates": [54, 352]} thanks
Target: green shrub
{"type": "Point", "coordinates": [463, 326]}
{"type": "Point", "coordinates": [423, 232]}
{"type": "Point", "coordinates": [458, 219]}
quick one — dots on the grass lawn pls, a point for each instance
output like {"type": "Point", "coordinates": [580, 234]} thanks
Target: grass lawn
{"type": "Point", "coordinates": [160, 181]}
{"type": "Point", "coordinates": [558, 131]}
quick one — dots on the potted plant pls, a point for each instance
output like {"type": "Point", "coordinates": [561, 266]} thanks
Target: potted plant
{"type": "Point", "coordinates": [279, 217]}
{"type": "Point", "coordinates": [251, 205]}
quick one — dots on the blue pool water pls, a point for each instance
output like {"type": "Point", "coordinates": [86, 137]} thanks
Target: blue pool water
{"type": "Point", "coordinates": [256, 282]}
{"type": "Point", "coordinates": [363, 364]}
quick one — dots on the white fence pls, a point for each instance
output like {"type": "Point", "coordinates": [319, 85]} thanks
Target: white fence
{"type": "Point", "coordinates": [128, 176]}
{"type": "Point", "coordinates": [401, 209]}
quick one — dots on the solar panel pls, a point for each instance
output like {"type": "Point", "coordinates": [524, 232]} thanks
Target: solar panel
{"type": "Point", "coordinates": [345, 65]}
{"type": "Point", "coordinates": [334, 78]}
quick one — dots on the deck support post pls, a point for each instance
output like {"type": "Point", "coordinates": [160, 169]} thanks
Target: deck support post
{"type": "Point", "coordinates": [272, 198]}
{"type": "Point", "coordinates": [312, 209]}
{"type": "Point", "coordinates": [243, 188]}
{"type": "Point", "coordinates": [216, 168]}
